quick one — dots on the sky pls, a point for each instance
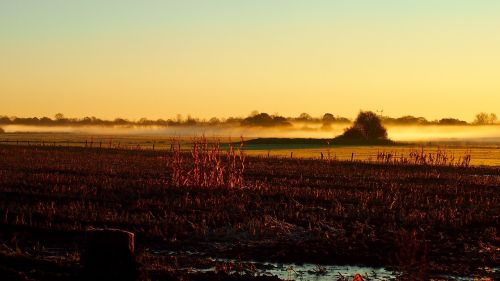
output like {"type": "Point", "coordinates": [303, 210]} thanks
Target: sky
{"type": "Point", "coordinates": [157, 59]}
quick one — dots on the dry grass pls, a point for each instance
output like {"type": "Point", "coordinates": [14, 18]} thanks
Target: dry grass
{"type": "Point", "coordinates": [208, 166]}
{"type": "Point", "coordinates": [289, 209]}
{"type": "Point", "coordinates": [421, 157]}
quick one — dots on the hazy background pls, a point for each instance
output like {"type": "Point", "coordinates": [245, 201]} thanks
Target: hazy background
{"type": "Point", "coordinates": [485, 134]}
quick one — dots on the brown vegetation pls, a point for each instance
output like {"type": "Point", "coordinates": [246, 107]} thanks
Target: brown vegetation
{"type": "Point", "coordinates": [207, 166]}
{"type": "Point", "coordinates": [422, 219]}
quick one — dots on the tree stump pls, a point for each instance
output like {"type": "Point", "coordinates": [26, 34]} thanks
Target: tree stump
{"type": "Point", "coordinates": [109, 254]}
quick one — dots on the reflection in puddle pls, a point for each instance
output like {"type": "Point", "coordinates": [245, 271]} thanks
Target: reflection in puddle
{"type": "Point", "coordinates": [284, 271]}
{"type": "Point", "coordinates": [323, 273]}
{"type": "Point", "coordinates": [299, 272]}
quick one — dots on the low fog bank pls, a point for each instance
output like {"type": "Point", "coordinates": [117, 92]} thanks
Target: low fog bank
{"type": "Point", "coordinates": [294, 131]}
{"type": "Point", "coordinates": [484, 133]}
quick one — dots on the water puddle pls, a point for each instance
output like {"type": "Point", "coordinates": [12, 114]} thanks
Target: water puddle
{"type": "Point", "coordinates": [314, 272]}
{"type": "Point", "coordinates": [296, 272]}
{"type": "Point", "coordinates": [285, 271]}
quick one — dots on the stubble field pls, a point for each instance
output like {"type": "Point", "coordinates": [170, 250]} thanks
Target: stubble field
{"type": "Point", "coordinates": [412, 220]}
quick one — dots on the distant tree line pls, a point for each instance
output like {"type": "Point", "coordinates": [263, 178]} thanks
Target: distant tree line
{"type": "Point", "coordinates": [480, 119]}
{"type": "Point", "coordinates": [412, 120]}
{"type": "Point", "coordinates": [254, 119]}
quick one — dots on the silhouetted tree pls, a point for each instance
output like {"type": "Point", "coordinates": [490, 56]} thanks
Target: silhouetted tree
{"type": "Point", "coordinates": [280, 121]}
{"type": "Point", "coordinates": [46, 121]}
{"type": "Point", "coordinates": [485, 118]}
{"type": "Point", "coordinates": [265, 120]}
{"type": "Point", "coordinates": [451, 121]}
{"type": "Point", "coordinates": [405, 120]}
{"type": "Point", "coordinates": [2, 130]}
{"type": "Point", "coordinates": [367, 126]}
{"type": "Point", "coordinates": [5, 120]}
{"type": "Point", "coordinates": [119, 121]}
{"type": "Point", "coordinates": [304, 117]}
{"type": "Point", "coordinates": [161, 122]}
{"type": "Point", "coordinates": [59, 116]}
{"type": "Point", "coordinates": [190, 121]}
{"type": "Point", "coordinates": [369, 123]}
{"type": "Point", "coordinates": [327, 121]}
{"type": "Point", "coordinates": [328, 118]}
{"type": "Point", "coordinates": [261, 119]}
{"type": "Point", "coordinates": [88, 121]}
{"type": "Point", "coordinates": [214, 121]}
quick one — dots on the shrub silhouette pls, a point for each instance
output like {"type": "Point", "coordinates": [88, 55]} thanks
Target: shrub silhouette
{"type": "Point", "coordinates": [366, 127]}
{"type": "Point", "coordinates": [265, 120]}
{"type": "Point", "coordinates": [1, 130]}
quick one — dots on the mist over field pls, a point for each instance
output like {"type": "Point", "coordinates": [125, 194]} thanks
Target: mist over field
{"type": "Point", "coordinates": [484, 133]}
{"type": "Point", "coordinates": [445, 133]}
